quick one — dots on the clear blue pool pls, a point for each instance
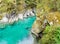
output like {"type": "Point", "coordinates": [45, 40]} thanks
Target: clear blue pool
{"type": "Point", "coordinates": [16, 31]}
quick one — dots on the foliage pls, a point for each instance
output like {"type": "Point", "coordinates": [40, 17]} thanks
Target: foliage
{"type": "Point", "coordinates": [51, 35]}
{"type": "Point", "coordinates": [30, 3]}
{"type": "Point", "coordinates": [45, 5]}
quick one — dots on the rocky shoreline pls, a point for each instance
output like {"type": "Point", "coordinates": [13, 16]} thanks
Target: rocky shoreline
{"type": "Point", "coordinates": [12, 17]}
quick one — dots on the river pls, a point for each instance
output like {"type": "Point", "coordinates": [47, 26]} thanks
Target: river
{"type": "Point", "coordinates": [18, 32]}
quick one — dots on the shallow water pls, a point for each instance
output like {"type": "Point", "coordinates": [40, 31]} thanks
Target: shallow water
{"type": "Point", "coordinates": [13, 33]}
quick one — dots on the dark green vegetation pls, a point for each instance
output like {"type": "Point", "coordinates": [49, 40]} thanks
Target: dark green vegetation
{"type": "Point", "coordinates": [18, 5]}
{"type": "Point", "coordinates": [48, 8]}
{"type": "Point", "coordinates": [51, 35]}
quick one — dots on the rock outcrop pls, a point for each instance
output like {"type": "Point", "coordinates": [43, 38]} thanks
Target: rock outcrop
{"type": "Point", "coordinates": [10, 18]}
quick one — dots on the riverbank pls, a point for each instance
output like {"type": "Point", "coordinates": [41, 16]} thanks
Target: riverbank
{"type": "Point", "coordinates": [21, 16]}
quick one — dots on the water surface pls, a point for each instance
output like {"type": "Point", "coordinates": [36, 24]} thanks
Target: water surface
{"type": "Point", "coordinates": [12, 33]}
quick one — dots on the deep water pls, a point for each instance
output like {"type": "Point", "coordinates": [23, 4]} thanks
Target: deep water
{"type": "Point", "coordinates": [12, 33]}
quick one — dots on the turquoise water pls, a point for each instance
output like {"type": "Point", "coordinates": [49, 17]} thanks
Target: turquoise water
{"type": "Point", "coordinates": [19, 30]}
